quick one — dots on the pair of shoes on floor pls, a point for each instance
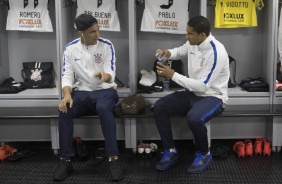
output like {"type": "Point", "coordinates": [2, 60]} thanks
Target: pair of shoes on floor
{"type": "Point", "coordinates": [243, 148]}
{"type": "Point", "coordinates": [146, 150]}
{"type": "Point", "coordinates": [247, 148]}
{"type": "Point", "coordinates": [262, 146]}
{"type": "Point", "coordinates": [171, 157]}
{"type": "Point", "coordinates": [221, 151]}
{"type": "Point", "coordinates": [6, 151]}
{"type": "Point", "coordinates": [64, 169]}
{"type": "Point", "coordinates": [79, 148]}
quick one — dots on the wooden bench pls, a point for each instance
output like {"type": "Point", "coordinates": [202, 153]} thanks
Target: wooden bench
{"type": "Point", "coordinates": [51, 113]}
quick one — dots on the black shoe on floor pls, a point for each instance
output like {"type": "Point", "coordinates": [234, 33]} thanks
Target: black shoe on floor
{"type": "Point", "coordinates": [63, 170]}
{"type": "Point", "coordinates": [115, 170]}
{"type": "Point", "coordinates": [220, 151]}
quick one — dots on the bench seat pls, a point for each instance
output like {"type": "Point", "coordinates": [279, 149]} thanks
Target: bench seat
{"type": "Point", "coordinates": [52, 114]}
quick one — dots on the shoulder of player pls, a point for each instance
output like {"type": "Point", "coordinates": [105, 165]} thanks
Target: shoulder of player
{"type": "Point", "coordinates": [104, 41]}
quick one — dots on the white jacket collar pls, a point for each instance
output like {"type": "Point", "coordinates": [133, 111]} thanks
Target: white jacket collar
{"type": "Point", "coordinates": [206, 44]}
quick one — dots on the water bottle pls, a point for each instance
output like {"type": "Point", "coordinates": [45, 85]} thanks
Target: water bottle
{"type": "Point", "coordinates": [166, 85]}
{"type": "Point", "coordinates": [161, 59]}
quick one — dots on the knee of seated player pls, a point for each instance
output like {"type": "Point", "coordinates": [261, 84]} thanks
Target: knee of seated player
{"type": "Point", "coordinates": [160, 106]}
{"type": "Point", "coordinates": [103, 108]}
{"type": "Point", "coordinates": [194, 121]}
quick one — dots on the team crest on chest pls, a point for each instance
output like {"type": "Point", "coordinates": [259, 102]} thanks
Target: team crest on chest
{"type": "Point", "coordinates": [98, 58]}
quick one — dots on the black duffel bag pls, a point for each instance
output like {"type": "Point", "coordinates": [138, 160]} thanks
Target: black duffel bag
{"type": "Point", "coordinates": [38, 75]}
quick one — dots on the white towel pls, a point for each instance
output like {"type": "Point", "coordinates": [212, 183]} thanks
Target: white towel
{"type": "Point", "coordinates": [148, 78]}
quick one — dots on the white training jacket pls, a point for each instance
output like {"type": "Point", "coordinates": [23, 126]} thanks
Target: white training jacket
{"type": "Point", "coordinates": [81, 63]}
{"type": "Point", "coordinates": [208, 68]}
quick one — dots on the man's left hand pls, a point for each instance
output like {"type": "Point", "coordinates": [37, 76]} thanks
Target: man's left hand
{"type": "Point", "coordinates": [164, 70]}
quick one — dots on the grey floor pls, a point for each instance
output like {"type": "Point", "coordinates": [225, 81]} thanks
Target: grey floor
{"type": "Point", "coordinates": [38, 168]}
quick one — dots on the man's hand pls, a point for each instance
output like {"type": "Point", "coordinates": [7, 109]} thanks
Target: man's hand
{"type": "Point", "coordinates": [104, 77]}
{"type": "Point", "coordinates": [163, 53]}
{"type": "Point", "coordinates": [63, 103]}
{"type": "Point", "coordinates": [164, 70]}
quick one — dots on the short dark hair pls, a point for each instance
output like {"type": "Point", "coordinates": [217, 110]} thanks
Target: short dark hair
{"type": "Point", "coordinates": [200, 24]}
{"type": "Point", "coordinates": [84, 21]}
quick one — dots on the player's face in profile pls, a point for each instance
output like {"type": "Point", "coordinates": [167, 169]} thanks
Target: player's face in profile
{"type": "Point", "coordinates": [92, 34]}
{"type": "Point", "coordinates": [193, 37]}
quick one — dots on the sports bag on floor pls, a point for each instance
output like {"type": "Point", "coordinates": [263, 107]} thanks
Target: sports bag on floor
{"type": "Point", "coordinates": [38, 75]}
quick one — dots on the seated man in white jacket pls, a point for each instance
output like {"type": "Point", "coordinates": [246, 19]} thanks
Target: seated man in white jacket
{"type": "Point", "coordinates": [203, 98]}
{"type": "Point", "coordinates": [88, 75]}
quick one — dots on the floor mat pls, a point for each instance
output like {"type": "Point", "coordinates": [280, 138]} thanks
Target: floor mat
{"type": "Point", "coordinates": [38, 169]}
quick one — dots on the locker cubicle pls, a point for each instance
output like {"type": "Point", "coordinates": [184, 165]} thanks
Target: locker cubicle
{"type": "Point", "coordinates": [23, 46]}
{"type": "Point", "coordinates": [253, 50]}
{"type": "Point", "coordinates": [89, 129]}
{"type": "Point", "coordinates": [146, 45]}
{"type": "Point", "coordinates": [149, 42]}
{"type": "Point", "coordinates": [17, 47]}
{"type": "Point", "coordinates": [120, 39]}
{"type": "Point", "coordinates": [277, 97]}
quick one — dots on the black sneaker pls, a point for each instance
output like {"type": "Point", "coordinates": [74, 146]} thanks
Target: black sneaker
{"type": "Point", "coordinates": [63, 170]}
{"type": "Point", "coordinates": [115, 170]}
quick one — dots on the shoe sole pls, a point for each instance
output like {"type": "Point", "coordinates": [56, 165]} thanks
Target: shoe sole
{"type": "Point", "coordinates": [116, 180]}
{"type": "Point", "coordinates": [200, 170]}
{"type": "Point", "coordinates": [63, 178]}
{"type": "Point", "coordinates": [169, 166]}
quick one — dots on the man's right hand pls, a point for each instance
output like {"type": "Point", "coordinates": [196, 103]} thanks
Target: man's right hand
{"type": "Point", "coordinates": [163, 53]}
{"type": "Point", "coordinates": [63, 103]}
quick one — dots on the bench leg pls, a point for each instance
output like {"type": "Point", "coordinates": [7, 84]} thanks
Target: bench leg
{"type": "Point", "coordinates": [130, 133]}
{"type": "Point", "coordinates": [208, 125]}
{"type": "Point", "coordinates": [54, 135]}
{"type": "Point", "coordinates": [133, 135]}
{"type": "Point", "coordinates": [127, 132]}
{"type": "Point", "coordinates": [276, 133]}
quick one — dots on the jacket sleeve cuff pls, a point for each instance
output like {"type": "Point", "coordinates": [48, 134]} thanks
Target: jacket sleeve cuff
{"type": "Point", "coordinates": [113, 75]}
{"type": "Point", "coordinates": [64, 84]}
{"type": "Point", "coordinates": [175, 76]}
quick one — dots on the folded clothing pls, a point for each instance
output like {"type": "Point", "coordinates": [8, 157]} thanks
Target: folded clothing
{"type": "Point", "coordinates": [6, 151]}
{"type": "Point", "coordinates": [148, 78]}
{"type": "Point", "coordinates": [9, 86]}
